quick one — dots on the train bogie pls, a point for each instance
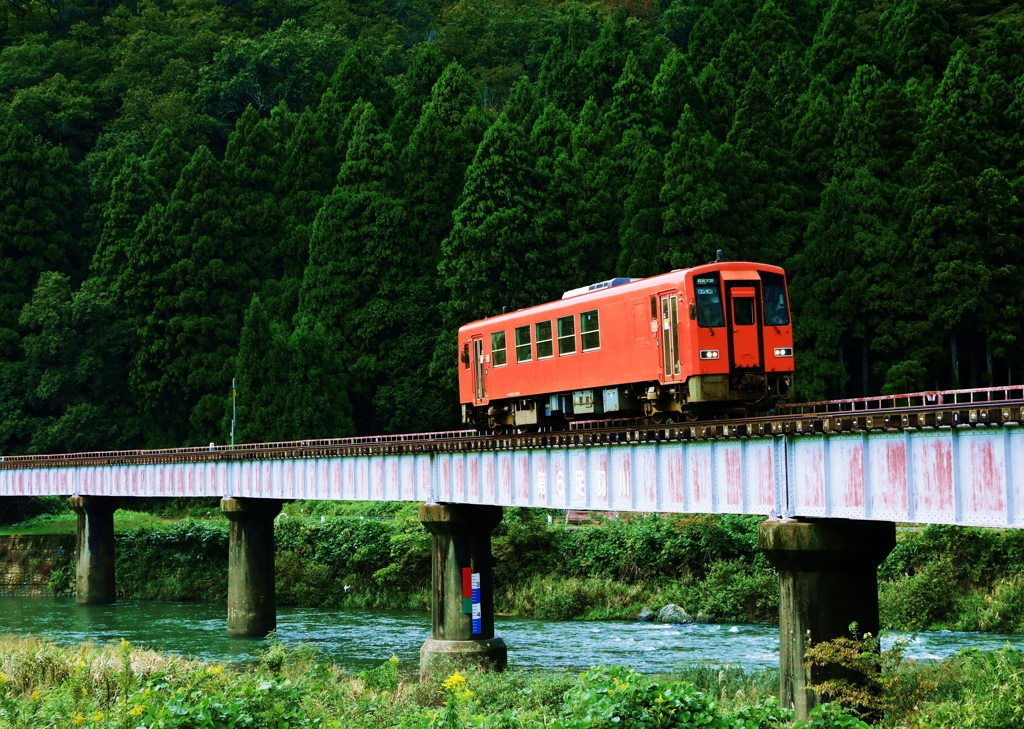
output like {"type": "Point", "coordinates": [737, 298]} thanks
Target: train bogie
{"type": "Point", "coordinates": [708, 339]}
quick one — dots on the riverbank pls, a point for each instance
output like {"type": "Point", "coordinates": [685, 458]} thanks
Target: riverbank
{"type": "Point", "coordinates": [374, 555]}
{"type": "Point", "coordinates": [119, 685]}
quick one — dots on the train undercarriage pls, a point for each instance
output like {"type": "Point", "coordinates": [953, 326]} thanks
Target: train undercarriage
{"type": "Point", "coordinates": [698, 397]}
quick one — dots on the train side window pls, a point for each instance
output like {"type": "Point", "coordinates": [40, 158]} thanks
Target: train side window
{"type": "Point", "coordinates": [776, 313]}
{"type": "Point", "coordinates": [709, 302]}
{"type": "Point", "coordinates": [523, 353]}
{"type": "Point", "coordinates": [590, 330]}
{"type": "Point", "coordinates": [545, 347]}
{"type": "Point", "coordinates": [498, 354]}
{"type": "Point", "coordinates": [566, 335]}
{"type": "Point", "coordinates": [465, 355]}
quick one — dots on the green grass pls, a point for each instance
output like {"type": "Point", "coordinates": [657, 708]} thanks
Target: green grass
{"type": "Point", "coordinates": [67, 523]}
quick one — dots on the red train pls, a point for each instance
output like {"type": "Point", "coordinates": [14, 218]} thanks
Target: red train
{"type": "Point", "coordinates": [712, 338]}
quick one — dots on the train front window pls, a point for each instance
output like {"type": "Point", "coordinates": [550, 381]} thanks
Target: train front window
{"type": "Point", "coordinates": [566, 335]}
{"type": "Point", "coordinates": [709, 301]}
{"type": "Point", "coordinates": [523, 344]}
{"type": "Point", "coordinates": [743, 311]}
{"type": "Point", "coordinates": [776, 312]}
{"type": "Point", "coordinates": [498, 355]}
{"type": "Point", "coordinates": [590, 330]}
{"type": "Point", "coordinates": [545, 347]}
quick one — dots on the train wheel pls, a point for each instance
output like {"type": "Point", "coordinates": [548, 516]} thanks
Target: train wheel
{"type": "Point", "coordinates": [658, 417]}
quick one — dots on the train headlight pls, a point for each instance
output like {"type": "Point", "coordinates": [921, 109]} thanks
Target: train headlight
{"type": "Point", "coordinates": [709, 354]}
{"type": "Point", "coordinates": [783, 351]}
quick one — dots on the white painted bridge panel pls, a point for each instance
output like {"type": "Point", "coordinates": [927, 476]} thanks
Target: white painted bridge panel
{"type": "Point", "coordinates": [960, 475]}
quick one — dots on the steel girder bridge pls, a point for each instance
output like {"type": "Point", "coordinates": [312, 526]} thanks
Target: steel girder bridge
{"type": "Point", "coordinates": [831, 478]}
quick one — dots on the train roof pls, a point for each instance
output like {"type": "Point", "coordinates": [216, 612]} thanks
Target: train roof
{"type": "Point", "coordinates": [613, 287]}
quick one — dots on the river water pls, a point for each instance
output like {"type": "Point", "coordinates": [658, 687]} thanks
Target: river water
{"type": "Point", "coordinates": [359, 639]}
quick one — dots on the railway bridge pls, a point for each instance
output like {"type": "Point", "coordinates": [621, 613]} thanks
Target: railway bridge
{"type": "Point", "coordinates": [831, 479]}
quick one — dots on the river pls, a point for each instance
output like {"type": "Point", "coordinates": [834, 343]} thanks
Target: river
{"type": "Point", "coordinates": [359, 639]}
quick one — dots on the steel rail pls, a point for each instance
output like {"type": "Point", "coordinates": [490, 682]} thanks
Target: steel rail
{"type": "Point", "coordinates": [892, 419]}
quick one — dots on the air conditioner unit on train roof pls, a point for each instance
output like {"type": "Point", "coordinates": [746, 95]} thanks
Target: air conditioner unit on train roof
{"type": "Point", "coordinates": [598, 286]}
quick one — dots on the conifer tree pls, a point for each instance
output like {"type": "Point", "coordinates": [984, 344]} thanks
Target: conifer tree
{"type": "Point", "coordinates": [549, 138]}
{"type": "Point", "coordinates": [841, 43]}
{"type": "Point", "coordinates": [768, 206]}
{"type": "Point", "coordinates": [706, 39]}
{"type": "Point", "coordinates": [318, 403]}
{"type": "Point", "coordinates": [945, 222]}
{"type": "Point", "coordinates": [814, 121]}
{"type": "Point", "coordinates": [631, 104]}
{"type": "Point", "coordinates": [523, 105]}
{"type": "Point", "coordinates": [77, 348]}
{"type": "Point", "coordinates": [40, 219]}
{"type": "Point", "coordinates": [262, 371]}
{"type": "Point", "coordinates": [915, 35]}
{"type": "Point", "coordinates": [359, 77]}
{"type": "Point", "coordinates": [165, 161]}
{"type": "Point", "coordinates": [489, 260]}
{"type": "Point", "coordinates": [771, 34]}
{"type": "Point", "coordinates": [561, 79]}
{"type": "Point", "coordinates": [549, 143]}
{"type": "Point", "coordinates": [602, 61]}
{"type": "Point", "coordinates": [255, 155]}
{"type": "Point", "coordinates": [353, 284]}
{"type": "Point", "coordinates": [586, 180]}
{"type": "Point", "coordinates": [719, 99]}
{"type": "Point", "coordinates": [644, 246]}
{"type": "Point", "coordinates": [674, 88]}
{"type": "Point", "coordinates": [425, 68]}
{"type": "Point", "coordinates": [314, 154]}
{"type": "Point", "coordinates": [133, 192]}
{"type": "Point", "coordinates": [188, 286]}
{"type": "Point", "coordinates": [439, 151]}
{"type": "Point", "coordinates": [692, 195]}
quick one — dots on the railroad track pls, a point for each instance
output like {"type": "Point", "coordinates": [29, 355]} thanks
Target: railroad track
{"type": "Point", "coordinates": [942, 409]}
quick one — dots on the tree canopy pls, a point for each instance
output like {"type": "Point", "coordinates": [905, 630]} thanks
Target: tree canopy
{"type": "Point", "coordinates": [311, 198]}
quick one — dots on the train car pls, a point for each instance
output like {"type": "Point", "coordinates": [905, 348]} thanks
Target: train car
{"type": "Point", "coordinates": [679, 346]}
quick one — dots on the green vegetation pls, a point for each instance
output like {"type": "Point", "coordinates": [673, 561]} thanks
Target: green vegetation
{"type": "Point", "coordinates": [312, 197]}
{"type": "Point", "coordinates": [335, 554]}
{"type": "Point", "coordinates": [67, 523]}
{"type": "Point", "coordinates": [117, 686]}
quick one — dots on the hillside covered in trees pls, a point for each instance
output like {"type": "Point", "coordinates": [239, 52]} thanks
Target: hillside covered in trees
{"type": "Point", "coordinates": [312, 196]}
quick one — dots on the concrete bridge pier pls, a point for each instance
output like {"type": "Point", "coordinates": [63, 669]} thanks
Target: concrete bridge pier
{"type": "Point", "coordinates": [828, 579]}
{"type": "Point", "coordinates": [252, 608]}
{"type": "Point", "coordinates": [462, 589]}
{"type": "Point", "coordinates": [94, 568]}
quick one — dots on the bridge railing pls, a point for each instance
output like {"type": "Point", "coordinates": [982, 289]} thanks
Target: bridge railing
{"type": "Point", "coordinates": [930, 398]}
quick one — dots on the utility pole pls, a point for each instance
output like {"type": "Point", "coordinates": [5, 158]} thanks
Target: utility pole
{"type": "Point", "coordinates": [234, 410]}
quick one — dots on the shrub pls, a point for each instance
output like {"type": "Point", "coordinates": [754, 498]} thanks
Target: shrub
{"type": "Point", "coordinates": [616, 697]}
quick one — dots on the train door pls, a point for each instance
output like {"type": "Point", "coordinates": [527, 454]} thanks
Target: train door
{"type": "Point", "coordinates": [743, 313]}
{"type": "Point", "coordinates": [478, 370]}
{"type": "Point", "coordinates": [669, 303]}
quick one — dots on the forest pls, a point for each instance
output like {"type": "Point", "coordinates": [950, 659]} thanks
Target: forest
{"type": "Point", "coordinates": [308, 198]}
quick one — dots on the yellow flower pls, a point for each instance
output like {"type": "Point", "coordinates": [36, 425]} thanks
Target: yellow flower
{"type": "Point", "coordinates": [97, 717]}
{"type": "Point", "coordinates": [124, 643]}
{"type": "Point", "coordinates": [3, 679]}
{"type": "Point", "coordinates": [215, 670]}
{"type": "Point", "coordinates": [137, 710]}
{"type": "Point", "coordinates": [78, 718]}
{"type": "Point", "coordinates": [84, 692]}
{"type": "Point", "coordinates": [455, 682]}
{"type": "Point", "coordinates": [35, 694]}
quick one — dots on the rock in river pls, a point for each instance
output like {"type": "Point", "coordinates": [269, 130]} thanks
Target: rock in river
{"type": "Point", "coordinates": [645, 616]}
{"type": "Point", "coordinates": [673, 614]}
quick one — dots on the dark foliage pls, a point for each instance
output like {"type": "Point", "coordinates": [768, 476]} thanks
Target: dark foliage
{"type": "Point", "coordinates": [311, 198]}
